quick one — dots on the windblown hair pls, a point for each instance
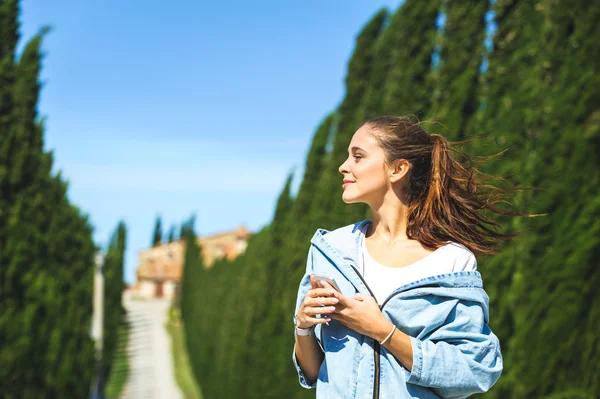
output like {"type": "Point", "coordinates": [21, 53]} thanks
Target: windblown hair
{"type": "Point", "coordinates": [447, 197]}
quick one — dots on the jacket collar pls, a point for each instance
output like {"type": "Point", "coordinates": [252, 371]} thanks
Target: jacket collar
{"type": "Point", "coordinates": [342, 248]}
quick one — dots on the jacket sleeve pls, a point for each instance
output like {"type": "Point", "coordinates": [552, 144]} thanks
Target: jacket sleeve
{"type": "Point", "coordinates": [305, 286]}
{"type": "Point", "coordinates": [461, 357]}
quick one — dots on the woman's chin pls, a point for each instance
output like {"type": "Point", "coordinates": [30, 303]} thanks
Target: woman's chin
{"type": "Point", "coordinates": [348, 199]}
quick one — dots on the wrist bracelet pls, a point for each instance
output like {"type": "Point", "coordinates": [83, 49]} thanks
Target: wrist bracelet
{"type": "Point", "coordinates": [304, 332]}
{"type": "Point", "coordinates": [389, 335]}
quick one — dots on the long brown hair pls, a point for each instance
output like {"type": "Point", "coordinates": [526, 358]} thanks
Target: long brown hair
{"type": "Point", "coordinates": [447, 197]}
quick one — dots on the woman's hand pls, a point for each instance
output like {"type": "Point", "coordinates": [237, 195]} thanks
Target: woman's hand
{"type": "Point", "coordinates": [360, 313]}
{"type": "Point", "coordinates": [317, 301]}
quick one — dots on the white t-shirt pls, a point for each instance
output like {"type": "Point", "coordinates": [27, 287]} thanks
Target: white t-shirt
{"type": "Point", "coordinates": [383, 280]}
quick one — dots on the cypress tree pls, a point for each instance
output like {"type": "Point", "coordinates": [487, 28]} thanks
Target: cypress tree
{"type": "Point", "coordinates": [554, 296]}
{"type": "Point", "coordinates": [157, 234]}
{"type": "Point", "coordinates": [299, 234]}
{"type": "Point", "coordinates": [247, 282]}
{"type": "Point", "coordinates": [359, 73]}
{"type": "Point", "coordinates": [327, 210]}
{"type": "Point", "coordinates": [113, 269]}
{"type": "Point", "coordinates": [65, 309]}
{"type": "Point", "coordinates": [195, 305]}
{"type": "Point", "coordinates": [511, 89]}
{"type": "Point", "coordinates": [408, 83]}
{"type": "Point", "coordinates": [9, 37]}
{"type": "Point", "coordinates": [266, 322]}
{"type": "Point", "coordinates": [539, 95]}
{"type": "Point", "coordinates": [25, 176]}
{"type": "Point", "coordinates": [390, 39]}
{"type": "Point", "coordinates": [46, 247]}
{"type": "Point", "coordinates": [316, 160]}
{"type": "Point", "coordinates": [282, 209]}
{"type": "Point", "coordinates": [191, 268]}
{"type": "Point", "coordinates": [456, 78]}
{"type": "Point", "coordinates": [539, 283]}
{"type": "Point", "coordinates": [8, 42]}
{"type": "Point", "coordinates": [171, 236]}
{"type": "Point", "coordinates": [288, 258]}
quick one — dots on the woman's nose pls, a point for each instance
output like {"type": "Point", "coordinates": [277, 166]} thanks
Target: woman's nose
{"type": "Point", "coordinates": [343, 170]}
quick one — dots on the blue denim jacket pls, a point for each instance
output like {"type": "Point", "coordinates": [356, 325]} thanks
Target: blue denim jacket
{"type": "Point", "coordinates": [455, 354]}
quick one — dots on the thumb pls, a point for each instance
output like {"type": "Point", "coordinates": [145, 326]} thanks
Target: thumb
{"type": "Point", "coordinates": [313, 281]}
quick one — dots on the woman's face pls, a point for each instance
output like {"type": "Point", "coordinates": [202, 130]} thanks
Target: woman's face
{"type": "Point", "coordinates": [366, 177]}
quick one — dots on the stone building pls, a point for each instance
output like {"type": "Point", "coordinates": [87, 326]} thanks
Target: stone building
{"type": "Point", "coordinates": [160, 269]}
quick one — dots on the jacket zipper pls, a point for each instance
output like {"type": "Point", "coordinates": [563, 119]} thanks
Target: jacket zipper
{"type": "Point", "coordinates": [377, 345]}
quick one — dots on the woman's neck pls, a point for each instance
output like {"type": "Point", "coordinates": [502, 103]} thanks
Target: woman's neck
{"type": "Point", "coordinates": [389, 225]}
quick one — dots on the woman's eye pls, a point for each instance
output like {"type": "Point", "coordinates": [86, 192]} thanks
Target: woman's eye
{"type": "Point", "coordinates": [357, 157]}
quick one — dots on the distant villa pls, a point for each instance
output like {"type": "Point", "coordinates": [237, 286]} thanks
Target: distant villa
{"type": "Point", "coordinates": [160, 269]}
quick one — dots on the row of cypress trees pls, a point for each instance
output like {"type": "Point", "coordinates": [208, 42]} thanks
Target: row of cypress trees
{"type": "Point", "coordinates": [534, 91]}
{"type": "Point", "coordinates": [47, 254]}
{"type": "Point", "coordinates": [157, 234]}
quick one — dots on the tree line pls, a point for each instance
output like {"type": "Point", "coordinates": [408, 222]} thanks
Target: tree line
{"type": "Point", "coordinates": [47, 253]}
{"type": "Point", "coordinates": [517, 77]}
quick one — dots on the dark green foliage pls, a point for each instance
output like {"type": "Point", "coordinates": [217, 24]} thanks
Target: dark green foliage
{"type": "Point", "coordinates": [408, 82]}
{"type": "Point", "coordinates": [171, 236]}
{"type": "Point", "coordinates": [539, 98]}
{"type": "Point", "coordinates": [553, 108]}
{"type": "Point", "coordinates": [346, 121]}
{"type": "Point", "coordinates": [46, 247]}
{"type": "Point", "coordinates": [192, 292]}
{"type": "Point", "coordinates": [157, 235]}
{"type": "Point", "coordinates": [387, 44]}
{"type": "Point", "coordinates": [511, 96]}
{"type": "Point", "coordinates": [113, 269]}
{"type": "Point", "coordinates": [456, 77]}
{"type": "Point", "coordinates": [266, 327]}
{"type": "Point", "coordinates": [192, 267]}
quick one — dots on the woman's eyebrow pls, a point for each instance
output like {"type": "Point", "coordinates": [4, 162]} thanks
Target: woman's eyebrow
{"type": "Point", "coordinates": [355, 148]}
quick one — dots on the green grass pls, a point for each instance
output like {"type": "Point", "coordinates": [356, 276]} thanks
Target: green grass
{"type": "Point", "coordinates": [120, 368]}
{"type": "Point", "coordinates": [183, 372]}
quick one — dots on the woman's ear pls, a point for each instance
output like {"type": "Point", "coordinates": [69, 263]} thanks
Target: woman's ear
{"type": "Point", "coordinates": [400, 169]}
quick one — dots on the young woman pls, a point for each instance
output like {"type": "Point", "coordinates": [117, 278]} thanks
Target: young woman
{"type": "Point", "coordinates": [410, 319]}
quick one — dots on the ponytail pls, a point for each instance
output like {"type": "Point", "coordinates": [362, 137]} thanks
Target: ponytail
{"type": "Point", "coordinates": [447, 197]}
{"type": "Point", "coordinates": [440, 160]}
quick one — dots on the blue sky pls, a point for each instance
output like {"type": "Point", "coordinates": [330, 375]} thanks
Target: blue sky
{"type": "Point", "coordinates": [156, 108]}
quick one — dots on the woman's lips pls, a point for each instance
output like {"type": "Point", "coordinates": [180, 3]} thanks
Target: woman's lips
{"type": "Point", "coordinates": [346, 182]}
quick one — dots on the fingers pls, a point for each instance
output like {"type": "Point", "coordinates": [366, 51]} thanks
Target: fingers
{"type": "Point", "coordinates": [311, 307]}
{"type": "Point", "coordinates": [313, 311]}
{"type": "Point", "coordinates": [307, 317]}
{"type": "Point", "coordinates": [313, 281]}
{"type": "Point", "coordinates": [342, 299]}
{"type": "Point", "coordinates": [323, 301]}
{"type": "Point", "coordinates": [339, 318]}
{"type": "Point", "coordinates": [326, 285]}
{"type": "Point", "coordinates": [314, 320]}
{"type": "Point", "coordinates": [320, 292]}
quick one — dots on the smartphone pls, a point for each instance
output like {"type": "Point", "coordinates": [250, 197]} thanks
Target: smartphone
{"type": "Point", "coordinates": [330, 280]}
